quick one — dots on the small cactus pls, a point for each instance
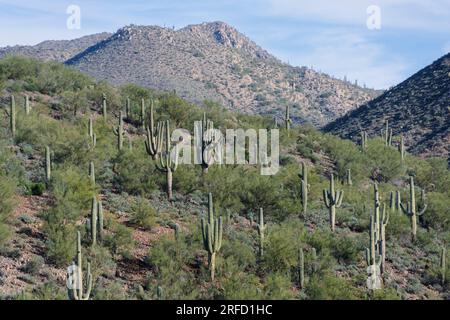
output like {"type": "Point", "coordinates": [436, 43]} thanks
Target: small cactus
{"type": "Point", "coordinates": [27, 105]}
{"type": "Point", "coordinates": [261, 230]}
{"type": "Point", "coordinates": [160, 293]}
{"type": "Point", "coordinates": [212, 236]}
{"type": "Point", "coordinates": [348, 177]}
{"type": "Point", "coordinates": [287, 119]}
{"type": "Point", "coordinates": [411, 209]}
{"type": "Point", "coordinates": [128, 109]}
{"type": "Point", "coordinates": [386, 134]}
{"type": "Point", "coordinates": [364, 140]}
{"type": "Point", "coordinates": [301, 269]}
{"type": "Point", "coordinates": [96, 221]}
{"type": "Point", "coordinates": [143, 114]}
{"type": "Point", "coordinates": [401, 148]}
{"type": "Point", "coordinates": [205, 130]}
{"type": "Point", "coordinates": [394, 201]}
{"type": "Point", "coordinates": [75, 278]}
{"type": "Point", "coordinates": [12, 116]}
{"type": "Point", "coordinates": [92, 173]}
{"type": "Point", "coordinates": [333, 200]}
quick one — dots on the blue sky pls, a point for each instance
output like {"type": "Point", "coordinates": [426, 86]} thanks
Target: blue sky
{"type": "Point", "coordinates": [329, 35]}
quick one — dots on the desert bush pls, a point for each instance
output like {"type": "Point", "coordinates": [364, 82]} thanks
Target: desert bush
{"type": "Point", "coordinates": [143, 214]}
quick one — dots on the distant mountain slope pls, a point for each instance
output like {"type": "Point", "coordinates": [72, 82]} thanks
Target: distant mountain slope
{"type": "Point", "coordinates": [214, 61]}
{"type": "Point", "coordinates": [418, 108]}
{"type": "Point", "coordinates": [55, 50]}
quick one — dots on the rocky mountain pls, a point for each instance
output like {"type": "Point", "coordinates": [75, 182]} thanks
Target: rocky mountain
{"type": "Point", "coordinates": [418, 108]}
{"type": "Point", "coordinates": [55, 50]}
{"type": "Point", "coordinates": [214, 61]}
{"type": "Point", "coordinates": [208, 61]}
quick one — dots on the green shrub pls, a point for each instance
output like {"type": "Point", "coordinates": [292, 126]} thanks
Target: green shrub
{"type": "Point", "coordinates": [143, 214]}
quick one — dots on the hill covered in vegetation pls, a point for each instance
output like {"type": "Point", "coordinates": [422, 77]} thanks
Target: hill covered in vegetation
{"type": "Point", "coordinates": [69, 166]}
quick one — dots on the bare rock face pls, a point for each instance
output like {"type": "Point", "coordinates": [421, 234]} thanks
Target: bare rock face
{"type": "Point", "coordinates": [418, 109]}
{"type": "Point", "coordinates": [213, 61]}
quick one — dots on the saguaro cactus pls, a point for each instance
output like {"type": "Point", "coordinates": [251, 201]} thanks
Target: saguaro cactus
{"type": "Point", "coordinates": [411, 209]}
{"type": "Point", "coordinates": [261, 226]}
{"type": "Point", "coordinates": [48, 164]}
{"type": "Point", "coordinates": [348, 177]}
{"type": "Point", "coordinates": [27, 105]}
{"type": "Point", "coordinates": [119, 132]}
{"type": "Point", "coordinates": [364, 140]}
{"type": "Point", "coordinates": [205, 130]}
{"type": "Point", "coordinates": [301, 269]}
{"type": "Point", "coordinates": [168, 161]}
{"type": "Point", "coordinates": [92, 173]}
{"type": "Point", "coordinates": [287, 119]}
{"type": "Point", "coordinates": [394, 201]}
{"type": "Point", "coordinates": [92, 135]}
{"type": "Point", "coordinates": [154, 139]}
{"type": "Point", "coordinates": [143, 113]}
{"type": "Point", "coordinates": [333, 200]}
{"type": "Point", "coordinates": [212, 236]}
{"type": "Point", "coordinates": [160, 293]}
{"type": "Point", "coordinates": [374, 266]}
{"type": "Point", "coordinates": [386, 134]}
{"type": "Point", "coordinates": [12, 116]}
{"type": "Point", "coordinates": [75, 279]}
{"type": "Point", "coordinates": [304, 188]}
{"type": "Point", "coordinates": [104, 108]}
{"type": "Point", "coordinates": [96, 221]}
{"type": "Point", "coordinates": [401, 148]}
{"type": "Point", "coordinates": [443, 265]}
{"type": "Point", "coordinates": [128, 109]}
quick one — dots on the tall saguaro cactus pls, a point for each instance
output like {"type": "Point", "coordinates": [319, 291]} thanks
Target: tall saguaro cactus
{"type": "Point", "coordinates": [48, 164]}
{"type": "Point", "coordinates": [287, 119]}
{"type": "Point", "coordinates": [92, 173]}
{"type": "Point", "coordinates": [143, 113]}
{"type": "Point", "coordinates": [443, 265]}
{"type": "Point", "coordinates": [119, 132]}
{"type": "Point", "coordinates": [364, 139]}
{"type": "Point", "coordinates": [205, 131]}
{"type": "Point", "coordinates": [333, 200]}
{"type": "Point", "coordinates": [12, 116]}
{"type": "Point", "coordinates": [154, 139]}
{"type": "Point", "coordinates": [261, 226]}
{"type": "Point", "coordinates": [92, 135]}
{"type": "Point", "coordinates": [411, 209]}
{"type": "Point", "coordinates": [75, 279]}
{"type": "Point", "coordinates": [212, 236]}
{"type": "Point", "coordinates": [386, 134]}
{"type": "Point", "coordinates": [304, 188]}
{"type": "Point", "coordinates": [104, 108]}
{"type": "Point", "coordinates": [168, 161]}
{"type": "Point", "coordinates": [96, 221]}
{"type": "Point", "coordinates": [27, 105]}
{"type": "Point", "coordinates": [401, 148]}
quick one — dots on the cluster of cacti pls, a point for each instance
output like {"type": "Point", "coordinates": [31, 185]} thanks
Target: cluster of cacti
{"type": "Point", "coordinates": [205, 130]}
{"type": "Point", "coordinates": [212, 236]}
{"type": "Point", "coordinates": [27, 105]}
{"type": "Point", "coordinates": [304, 188]}
{"type": "Point", "coordinates": [386, 134]}
{"type": "Point", "coordinates": [12, 116]}
{"type": "Point", "coordinates": [154, 139]}
{"type": "Point", "coordinates": [261, 226]}
{"type": "Point", "coordinates": [96, 221]}
{"type": "Point", "coordinates": [333, 200]}
{"type": "Point", "coordinates": [92, 135]}
{"type": "Point", "coordinates": [119, 132]}
{"type": "Point", "coordinates": [364, 139]}
{"type": "Point", "coordinates": [48, 165]}
{"type": "Point", "coordinates": [104, 108]}
{"type": "Point", "coordinates": [411, 210]}
{"type": "Point", "coordinates": [373, 258]}
{"type": "Point", "coordinates": [75, 282]}
{"type": "Point", "coordinates": [168, 161]}
{"type": "Point", "coordinates": [287, 119]}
